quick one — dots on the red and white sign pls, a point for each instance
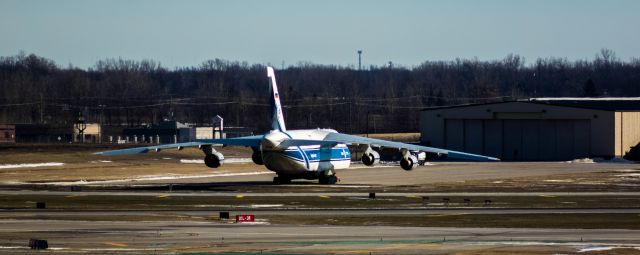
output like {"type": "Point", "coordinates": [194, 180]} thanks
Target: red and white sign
{"type": "Point", "coordinates": [245, 218]}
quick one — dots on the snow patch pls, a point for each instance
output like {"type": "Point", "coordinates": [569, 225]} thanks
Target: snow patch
{"type": "Point", "coordinates": [29, 165]}
{"type": "Point", "coordinates": [266, 205]}
{"type": "Point", "coordinates": [192, 161]}
{"type": "Point", "coordinates": [600, 160]}
{"type": "Point", "coordinates": [148, 178]}
{"type": "Point", "coordinates": [14, 247]}
{"type": "Point", "coordinates": [226, 160]}
{"type": "Point", "coordinates": [595, 248]}
{"type": "Point", "coordinates": [629, 175]}
{"type": "Point", "coordinates": [581, 160]}
{"type": "Point", "coordinates": [567, 180]}
{"type": "Point", "coordinates": [100, 161]}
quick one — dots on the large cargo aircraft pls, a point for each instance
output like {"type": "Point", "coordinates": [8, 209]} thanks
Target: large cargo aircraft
{"type": "Point", "coordinates": [303, 154]}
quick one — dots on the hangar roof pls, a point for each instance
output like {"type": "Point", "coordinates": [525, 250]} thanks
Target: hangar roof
{"type": "Point", "coordinates": [607, 104]}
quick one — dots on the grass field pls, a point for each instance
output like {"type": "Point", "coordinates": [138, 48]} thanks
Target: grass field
{"type": "Point", "coordinates": [567, 220]}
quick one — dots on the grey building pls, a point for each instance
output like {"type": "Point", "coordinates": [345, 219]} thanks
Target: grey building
{"type": "Point", "coordinates": [536, 129]}
{"type": "Point", "coordinates": [163, 132]}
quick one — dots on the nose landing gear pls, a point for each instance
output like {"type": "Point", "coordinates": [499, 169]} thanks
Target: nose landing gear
{"type": "Point", "coordinates": [328, 179]}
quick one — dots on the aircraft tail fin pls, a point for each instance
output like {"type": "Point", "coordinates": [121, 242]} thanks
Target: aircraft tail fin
{"type": "Point", "coordinates": [277, 121]}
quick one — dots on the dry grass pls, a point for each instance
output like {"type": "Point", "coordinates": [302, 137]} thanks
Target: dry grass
{"type": "Point", "coordinates": [569, 221]}
{"type": "Point", "coordinates": [82, 164]}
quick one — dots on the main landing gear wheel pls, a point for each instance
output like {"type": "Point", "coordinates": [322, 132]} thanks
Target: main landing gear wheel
{"type": "Point", "coordinates": [281, 180]}
{"type": "Point", "coordinates": [328, 179]}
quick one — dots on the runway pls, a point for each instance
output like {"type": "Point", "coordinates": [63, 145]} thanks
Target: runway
{"type": "Point", "coordinates": [172, 224]}
{"type": "Point", "coordinates": [319, 211]}
{"type": "Point", "coordinates": [184, 237]}
{"type": "Point", "coordinates": [313, 194]}
{"type": "Point", "coordinates": [130, 173]}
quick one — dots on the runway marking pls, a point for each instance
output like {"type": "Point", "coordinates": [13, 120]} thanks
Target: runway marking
{"type": "Point", "coordinates": [411, 244]}
{"type": "Point", "coordinates": [118, 244]}
{"type": "Point", "coordinates": [355, 251]}
{"type": "Point", "coordinates": [72, 196]}
{"type": "Point", "coordinates": [445, 214]}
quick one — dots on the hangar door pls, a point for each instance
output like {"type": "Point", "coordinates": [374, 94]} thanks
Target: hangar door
{"type": "Point", "coordinates": [520, 139]}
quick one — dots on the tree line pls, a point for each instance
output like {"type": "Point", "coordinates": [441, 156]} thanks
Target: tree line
{"type": "Point", "coordinates": [121, 92]}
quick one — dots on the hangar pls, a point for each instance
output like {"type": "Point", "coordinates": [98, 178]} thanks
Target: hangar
{"type": "Point", "coordinates": [536, 129]}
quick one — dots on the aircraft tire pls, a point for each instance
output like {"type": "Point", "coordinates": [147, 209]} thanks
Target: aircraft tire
{"type": "Point", "coordinates": [330, 179]}
{"type": "Point", "coordinates": [281, 180]}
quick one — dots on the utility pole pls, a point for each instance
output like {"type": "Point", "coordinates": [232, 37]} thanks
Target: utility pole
{"type": "Point", "coordinates": [359, 60]}
{"type": "Point", "coordinates": [41, 109]}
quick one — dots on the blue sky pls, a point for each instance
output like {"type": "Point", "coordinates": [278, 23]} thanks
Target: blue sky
{"type": "Point", "coordinates": [185, 33]}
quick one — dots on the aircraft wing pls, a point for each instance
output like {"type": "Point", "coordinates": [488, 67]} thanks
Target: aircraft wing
{"type": "Point", "coordinates": [247, 141]}
{"type": "Point", "coordinates": [352, 139]}
{"type": "Point", "coordinates": [303, 142]}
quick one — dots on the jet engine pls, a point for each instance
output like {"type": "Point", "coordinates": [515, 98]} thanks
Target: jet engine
{"type": "Point", "coordinates": [214, 160]}
{"type": "Point", "coordinates": [370, 158]}
{"type": "Point", "coordinates": [409, 163]}
{"type": "Point", "coordinates": [256, 157]}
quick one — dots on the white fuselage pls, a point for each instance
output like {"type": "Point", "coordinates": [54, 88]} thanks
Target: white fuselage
{"type": "Point", "coordinates": [303, 160]}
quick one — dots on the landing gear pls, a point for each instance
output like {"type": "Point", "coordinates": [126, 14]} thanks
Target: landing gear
{"type": "Point", "coordinates": [281, 180]}
{"type": "Point", "coordinates": [328, 179]}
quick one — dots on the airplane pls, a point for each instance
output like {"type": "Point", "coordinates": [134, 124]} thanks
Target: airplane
{"type": "Point", "coordinates": [312, 154]}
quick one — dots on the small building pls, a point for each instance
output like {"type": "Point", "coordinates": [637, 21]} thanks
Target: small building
{"type": "Point", "coordinates": [163, 132]}
{"type": "Point", "coordinates": [204, 133]}
{"type": "Point", "coordinates": [40, 133]}
{"type": "Point", "coordinates": [7, 133]}
{"type": "Point", "coordinates": [536, 129]}
{"type": "Point", "coordinates": [92, 134]}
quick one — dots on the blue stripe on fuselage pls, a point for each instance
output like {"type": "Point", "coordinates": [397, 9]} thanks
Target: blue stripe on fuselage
{"type": "Point", "coordinates": [314, 154]}
{"type": "Point", "coordinates": [304, 157]}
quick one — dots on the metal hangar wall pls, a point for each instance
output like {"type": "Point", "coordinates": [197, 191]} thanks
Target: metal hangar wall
{"type": "Point", "coordinates": [535, 130]}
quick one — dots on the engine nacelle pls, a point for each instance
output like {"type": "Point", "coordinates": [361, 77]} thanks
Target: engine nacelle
{"type": "Point", "coordinates": [371, 158]}
{"type": "Point", "coordinates": [214, 160]}
{"type": "Point", "coordinates": [409, 163]}
{"type": "Point", "coordinates": [256, 157]}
